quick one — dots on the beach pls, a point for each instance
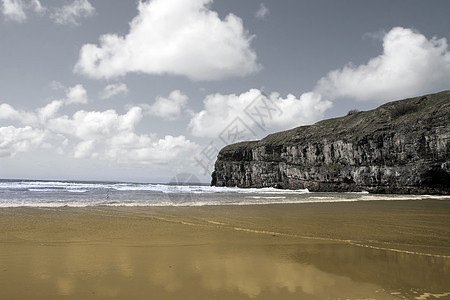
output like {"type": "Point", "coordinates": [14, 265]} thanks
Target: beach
{"type": "Point", "coordinates": [344, 250]}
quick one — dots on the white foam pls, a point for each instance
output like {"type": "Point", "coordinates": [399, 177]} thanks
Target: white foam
{"type": "Point", "coordinates": [163, 188]}
{"type": "Point", "coordinates": [44, 190]}
{"type": "Point", "coordinates": [83, 194]}
{"type": "Point", "coordinates": [77, 191]}
{"type": "Point", "coordinates": [323, 198]}
{"type": "Point", "coordinates": [361, 192]}
{"type": "Point", "coordinates": [263, 197]}
{"type": "Point", "coordinates": [425, 296]}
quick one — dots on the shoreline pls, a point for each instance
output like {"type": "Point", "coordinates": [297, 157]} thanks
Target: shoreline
{"type": "Point", "coordinates": [263, 199]}
{"type": "Point", "coordinates": [306, 220]}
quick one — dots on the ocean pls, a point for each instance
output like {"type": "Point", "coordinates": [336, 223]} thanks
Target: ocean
{"type": "Point", "coordinates": [43, 193]}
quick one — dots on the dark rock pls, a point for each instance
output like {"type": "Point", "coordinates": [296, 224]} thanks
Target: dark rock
{"type": "Point", "coordinates": [400, 147]}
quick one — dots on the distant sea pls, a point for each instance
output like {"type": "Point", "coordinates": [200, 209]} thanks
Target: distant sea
{"type": "Point", "coordinates": [41, 193]}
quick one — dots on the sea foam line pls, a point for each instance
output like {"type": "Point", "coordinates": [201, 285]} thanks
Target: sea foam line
{"type": "Point", "coordinates": [425, 296]}
{"type": "Point", "coordinates": [274, 233]}
{"type": "Point", "coordinates": [354, 243]}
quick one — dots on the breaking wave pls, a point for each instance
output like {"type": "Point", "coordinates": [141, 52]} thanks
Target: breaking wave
{"type": "Point", "coordinates": [29, 193]}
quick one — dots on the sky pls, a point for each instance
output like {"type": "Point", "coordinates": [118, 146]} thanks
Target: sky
{"type": "Point", "coordinates": [147, 90]}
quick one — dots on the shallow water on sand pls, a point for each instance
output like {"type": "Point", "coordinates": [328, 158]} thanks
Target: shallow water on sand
{"type": "Point", "coordinates": [267, 271]}
{"type": "Point", "coordinates": [212, 253]}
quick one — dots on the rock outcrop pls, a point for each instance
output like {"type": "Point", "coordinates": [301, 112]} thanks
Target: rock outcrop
{"type": "Point", "coordinates": [400, 147]}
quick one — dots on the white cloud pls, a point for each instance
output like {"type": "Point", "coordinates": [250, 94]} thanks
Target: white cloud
{"type": "Point", "coordinates": [173, 37]}
{"type": "Point", "coordinates": [71, 13]}
{"type": "Point", "coordinates": [84, 149]}
{"type": "Point", "coordinates": [169, 108]}
{"type": "Point", "coordinates": [49, 111]}
{"type": "Point", "coordinates": [36, 6]}
{"type": "Point", "coordinates": [56, 85]}
{"type": "Point", "coordinates": [262, 12]}
{"type": "Point", "coordinates": [306, 109]}
{"type": "Point", "coordinates": [76, 94]}
{"type": "Point", "coordinates": [410, 65]}
{"type": "Point", "coordinates": [105, 135]}
{"type": "Point", "coordinates": [15, 10]}
{"type": "Point", "coordinates": [14, 140]}
{"type": "Point", "coordinates": [141, 149]}
{"type": "Point", "coordinates": [110, 136]}
{"type": "Point", "coordinates": [254, 109]}
{"type": "Point", "coordinates": [7, 112]}
{"type": "Point", "coordinates": [92, 125]}
{"type": "Point", "coordinates": [114, 90]}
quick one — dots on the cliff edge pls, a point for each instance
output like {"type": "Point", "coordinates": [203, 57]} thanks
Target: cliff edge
{"type": "Point", "coordinates": [399, 147]}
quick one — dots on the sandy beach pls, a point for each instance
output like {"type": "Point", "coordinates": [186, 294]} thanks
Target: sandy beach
{"type": "Point", "coordinates": [354, 250]}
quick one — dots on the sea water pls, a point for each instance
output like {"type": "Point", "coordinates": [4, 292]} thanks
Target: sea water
{"type": "Point", "coordinates": [41, 193]}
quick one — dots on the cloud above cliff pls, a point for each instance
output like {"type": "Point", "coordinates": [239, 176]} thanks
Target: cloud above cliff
{"type": "Point", "coordinates": [410, 65]}
{"type": "Point", "coordinates": [257, 111]}
{"type": "Point", "coordinates": [172, 37]}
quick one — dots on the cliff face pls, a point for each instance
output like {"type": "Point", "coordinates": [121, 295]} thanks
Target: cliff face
{"type": "Point", "coordinates": [400, 147]}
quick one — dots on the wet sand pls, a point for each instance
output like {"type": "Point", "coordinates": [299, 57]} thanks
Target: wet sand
{"type": "Point", "coordinates": [357, 250]}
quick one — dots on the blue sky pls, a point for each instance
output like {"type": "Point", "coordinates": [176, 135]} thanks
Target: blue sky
{"type": "Point", "coordinates": [142, 91]}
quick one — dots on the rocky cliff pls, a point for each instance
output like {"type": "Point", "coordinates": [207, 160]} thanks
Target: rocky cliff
{"type": "Point", "coordinates": [400, 147]}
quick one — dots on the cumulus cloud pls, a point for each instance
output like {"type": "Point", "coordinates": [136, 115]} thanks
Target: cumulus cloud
{"type": "Point", "coordinates": [91, 125]}
{"type": "Point", "coordinates": [410, 65]}
{"type": "Point", "coordinates": [70, 14]}
{"type": "Point", "coordinates": [169, 108]}
{"type": "Point", "coordinates": [143, 150]}
{"type": "Point", "coordinates": [173, 37]}
{"type": "Point", "coordinates": [108, 135]}
{"type": "Point", "coordinates": [15, 10]}
{"type": "Point", "coordinates": [84, 149]}
{"type": "Point", "coordinates": [105, 135]}
{"type": "Point", "coordinates": [49, 111]}
{"type": "Point", "coordinates": [262, 12]}
{"type": "Point", "coordinates": [76, 94]}
{"type": "Point", "coordinates": [112, 90]}
{"type": "Point", "coordinates": [256, 110]}
{"type": "Point", "coordinates": [7, 112]}
{"type": "Point", "coordinates": [14, 140]}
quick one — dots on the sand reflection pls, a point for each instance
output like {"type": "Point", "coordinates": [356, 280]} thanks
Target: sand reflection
{"type": "Point", "coordinates": [237, 272]}
{"type": "Point", "coordinates": [154, 254]}
{"type": "Point", "coordinates": [258, 274]}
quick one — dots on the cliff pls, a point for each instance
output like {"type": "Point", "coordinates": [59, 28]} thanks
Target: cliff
{"type": "Point", "coordinates": [400, 147]}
